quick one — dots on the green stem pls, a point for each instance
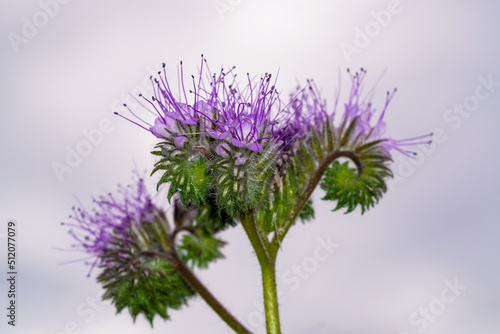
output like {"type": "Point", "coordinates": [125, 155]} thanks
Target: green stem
{"type": "Point", "coordinates": [270, 298]}
{"type": "Point", "coordinates": [267, 266]}
{"type": "Point", "coordinates": [315, 179]}
{"type": "Point", "coordinates": [210, 299]}
{"type": "Point", "coordinates": [250, 227]}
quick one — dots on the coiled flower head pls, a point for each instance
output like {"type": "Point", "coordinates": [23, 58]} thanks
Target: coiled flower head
{"type": "Point", "coordinates": [355, 134]}
{"type": "Point", "coordinates": [124, 234]}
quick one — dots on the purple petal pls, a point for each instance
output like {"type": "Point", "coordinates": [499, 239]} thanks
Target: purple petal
{"type": "Point", "coordinates": [180, 140]}
{"type": "Point", "coordinates": [256, 147]}
{"type": "Point", "coordinates": [237, 143]}
{"type": "Point", "coordinates": [220, 149]}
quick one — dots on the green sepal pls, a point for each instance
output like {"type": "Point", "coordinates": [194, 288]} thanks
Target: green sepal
{"type": "Point", "coordinates": [306, 157]}
{"type": "Point", "coordinates": [280, 201]}
{"type": "Point", "coordinates": [367, 147]}
{"type": "Point", "coordinates": [237, 188]}
{"type": "Point", "coordinates": [266, 217]}
{"type": "Point", "coordinates": [329, 138]}
{"type": "Point", "coordinates": [159, 153]}
{"type": "Point", "coordinates": [290, 184]}
{"type": "Point", "coordinates": [347, 134]}
{"type": "Point", "coordinates": [299, 173]}
{"type": "Point", "coordinates": [316, 146]}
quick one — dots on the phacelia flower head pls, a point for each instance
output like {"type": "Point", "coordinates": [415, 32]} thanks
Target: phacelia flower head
{"type": "Point", "coordinates": [130, 240]}
{"type": "Point", "coordinates": [116, 228]}
{"type": "Point", "coordinates": [237, 139]}
{"type": "Point", "coordinates": [239, 115]}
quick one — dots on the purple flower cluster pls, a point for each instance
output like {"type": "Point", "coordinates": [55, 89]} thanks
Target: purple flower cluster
{"type": "Point", "coordinates": [361, 108]}
{"type": "Point", "coordinates": [244, 117]}
{"type": "Point", "coordinates": [107, 228]}
{"type": "Point", "coordinates": [218, 107]}
{"type": "Point", "coordinates": [309, 111]}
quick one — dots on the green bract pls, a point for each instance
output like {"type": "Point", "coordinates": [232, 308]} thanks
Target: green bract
{"type": "Point", "coordinates": [186, 171]}
{"type": "Point", "coordinates": [238, 179]}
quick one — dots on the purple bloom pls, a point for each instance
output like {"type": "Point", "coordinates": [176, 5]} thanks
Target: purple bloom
{"type": "Point", "coordinates": [222, 148]}
{"type": "Point", "coordinates": [309, 111]}
{"type": "Point", "coordinates": [163, 127]}
{"type": "Point", "coordinates": [245, 117]}
{"type": "Point", "coordinates": [361, 108]}
{"type": "Point", "coordinates": [218, 106]}
{"type": "Point", "coordinates": [112, 226]}
{"type": "Point", "coordinates": [240, 159]}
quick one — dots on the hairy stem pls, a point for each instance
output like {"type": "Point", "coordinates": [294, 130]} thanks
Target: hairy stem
{"type": "Point", "coordinates": [209, 298]}
{"type": "Point", "coordinates": [270, 298]}
{"type": "Point", "coordinates": [256, 239]}
{"type": "Point", "coordinates": [267, 266]}
{"type": "Point", "coordinates": [304, 197]}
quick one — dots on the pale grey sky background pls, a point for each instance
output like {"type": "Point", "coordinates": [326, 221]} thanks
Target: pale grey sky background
{"type": "Point", "coordinates": [437, 226]}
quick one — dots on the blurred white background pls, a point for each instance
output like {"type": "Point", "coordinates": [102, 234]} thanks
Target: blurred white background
{"type": "Point", "coordinates": [66, 73]}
